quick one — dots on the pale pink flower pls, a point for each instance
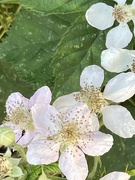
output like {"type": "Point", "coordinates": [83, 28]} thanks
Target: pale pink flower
{"type": "Point", "coordinates": [120, 88]}
{"type": "Point", "coordinates": [19, 116]}
{"type": "Point", "coordinates": [73, 133]}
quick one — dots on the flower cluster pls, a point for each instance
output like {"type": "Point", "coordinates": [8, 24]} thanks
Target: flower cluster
{"type": "Point", "coordinates": [68, 129]}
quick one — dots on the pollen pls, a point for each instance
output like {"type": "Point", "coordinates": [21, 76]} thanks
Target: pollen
{"type": "Point", "coordinates": [133, 66]}
{"type": "Point", "coordinates": [93, 98]}
{"type": "Point", "coordinates": [21, 116]}
{"type": "Point", "coordinates": [122, 13]}
{"type": "Point", "coordinates": [5, 167]}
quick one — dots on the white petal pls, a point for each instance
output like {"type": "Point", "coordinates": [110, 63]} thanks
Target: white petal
{"type": "Point", "coordinates": [116, 176]}
{"type": "Point", "coordinates": [133, 4]}
{"type": "Point", "coordinates": [119, 120]}
{"type": "Point", "coordinates": [96, 144]}
{"type": "Point", "coordinates": [120, 2]}
{"type": "Point", "coordinates": [46, 119]}
{"type": "Point", "coordinates": [117, 60]}
{"type": "Point", "coordinates": [14, 101]}
{"type": "Point", "coordinates": [119, 37]}
{"type": "Point", "coordinates": [100, 16]}
{"type": "Point", "coordinates": [43, 152]}
{"type": "Point", "coordinates": [65, 102]}
{"type": "Point", "coordinates": [120, 88]}
{"type": "Point", "coordinates": [81, 116]}
{"type": "Point", "coordinates": [73, 164]}
{"type": "Point", "coordinates": [42, 96]}
{"type": "Point", "coordinates": [92, 75]}
{"type": "Point", "coordinates": [26, 138]}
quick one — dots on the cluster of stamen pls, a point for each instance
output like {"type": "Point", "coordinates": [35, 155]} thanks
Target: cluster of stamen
{"type": "Point", "coordinates": [92, 97]}
{"type": "Point", "coordinates": [122, 13]}
{"type": "Point", "coordinates": [21, 116]}
{"type": "Point", "coordinates": [5, 167]}
{"type": "Point", "coordinates": [133, 66]}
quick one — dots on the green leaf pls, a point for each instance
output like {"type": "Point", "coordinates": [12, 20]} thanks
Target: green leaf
{"type": "Point", "coordinates": [57, 6]}
{"type": "Point", "coordinates": [31, 43]}
{"type": "Point", "coordinates": [81, 46]}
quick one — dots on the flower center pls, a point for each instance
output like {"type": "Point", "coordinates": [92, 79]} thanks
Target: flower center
{"type": "Point", "coordinates": [21, 116]}
{"type": "Point", "coordinates": [5, 167]}
{"type": "Point", "coordinates": [122, 13]}
{"type": "Point", "coordinates": [93, 98]}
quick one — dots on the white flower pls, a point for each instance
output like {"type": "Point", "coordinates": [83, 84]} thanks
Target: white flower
{"type": "Point", "coordinates": [120, 88]}
{"type": "Point", "coordinates": [116, 176]}
{"type": "Point", "coordinates": [19, 116]}
{"type": "Point", "coordinates": [118, 60]}
{"type": "Point", "coordinates": [73, 133]}
{"type": "Point", "coordinates": [102, 16]}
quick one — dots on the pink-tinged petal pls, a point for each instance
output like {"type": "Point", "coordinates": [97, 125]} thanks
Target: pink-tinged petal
{"type": "Point", "coordinates": [92, 75]}
{"type": "Point", "coordinates": [120, 88]}
{"type": "Point", "coordinates": [96, 143]}
{"type": "Point", "coordinates": [120, 2]}
{"type": "Point", "coordinates": [26, 138]}
{"type": "Point", "coordinates": [73, 164]}
{"type": "Point", "coordinates": [116, 176]}
{"type": "Point", "coordinates": [65, 102]}
{"type": "Point", "coordinates": [42, 96]}
{"type": "Point", "coordinates": [81, 116]}
{"type": "Point", "coordinates": [42, 152]}
{"type": "Point", "coordinates": [46, 119]}
{"type": "Point", "coordinates": [117, 60]}
{"type": "Point", "coordinates": [119, 37]}
{"type": "Point", "coordinates": [14, 101]}
{"type": "Point", "coordinates": [100, 16]}
{"type": "Point", "coordinates": [119, 120]}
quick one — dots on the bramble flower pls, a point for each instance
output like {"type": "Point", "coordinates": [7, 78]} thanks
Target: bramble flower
{"type": "Point", "coordinates": [9, 167]}
{"type": "Point", "coordinates": [118, 60]}
{"type": "Point", "coordinates": [116, 176]}
{"type": "Point", "coordinates": [19, 116]}
{"type": "Point", "coordinates": [73, 133]}
{"type": "Point", "coordinates": [102, 16]}
{"type": "Point", "coordinates": [120, 88]}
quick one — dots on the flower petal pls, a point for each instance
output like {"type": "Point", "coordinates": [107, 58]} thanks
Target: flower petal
{"type": "Point", "coordinates": [73, 164]}
{"type": "Point", "coordinates": [46, 119]}
{"type": "Point", "coordinates": [43, 152]}
{"type": "Point", "coordinates": [65, 102]}
{"type": "Point", "coordinates": [119, 120]}
{"type": "Point", "coordinates": [92, 75]}
{"type": "Point", "coordinates": [42, 96]}
{"type": "Point", "coordinates": [26, 138]}
{"type": "Point", "coordinates": [120, 88]}
{"type": "Point", "coordinates": [81, 116]}
{"type": "Point", "coordinates": [14, 101]}
{"type": "Point", "coordinates": [117, 60]}
{"type": "Point", "coordinates": [96, 143]}
{"type": "Point", "coordinates": [120, 2]}
{"type": "Point", "coordinates": [119, 37]}
{"type": "Point", "coordinates": [100, 16]}
{"type": "Point", "coordinates": [116, 175]}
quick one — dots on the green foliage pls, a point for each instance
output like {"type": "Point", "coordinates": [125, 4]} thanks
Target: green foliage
{"type": "Point", "coordinates": [50, 43]}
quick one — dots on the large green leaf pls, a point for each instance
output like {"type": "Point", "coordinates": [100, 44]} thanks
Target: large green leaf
{"type": "Point", "coordinates": [81, 46]}
{"type": "Point", "coordinates": [31, 43]}
{"type": "Point", "coordinates": [57, 6]}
